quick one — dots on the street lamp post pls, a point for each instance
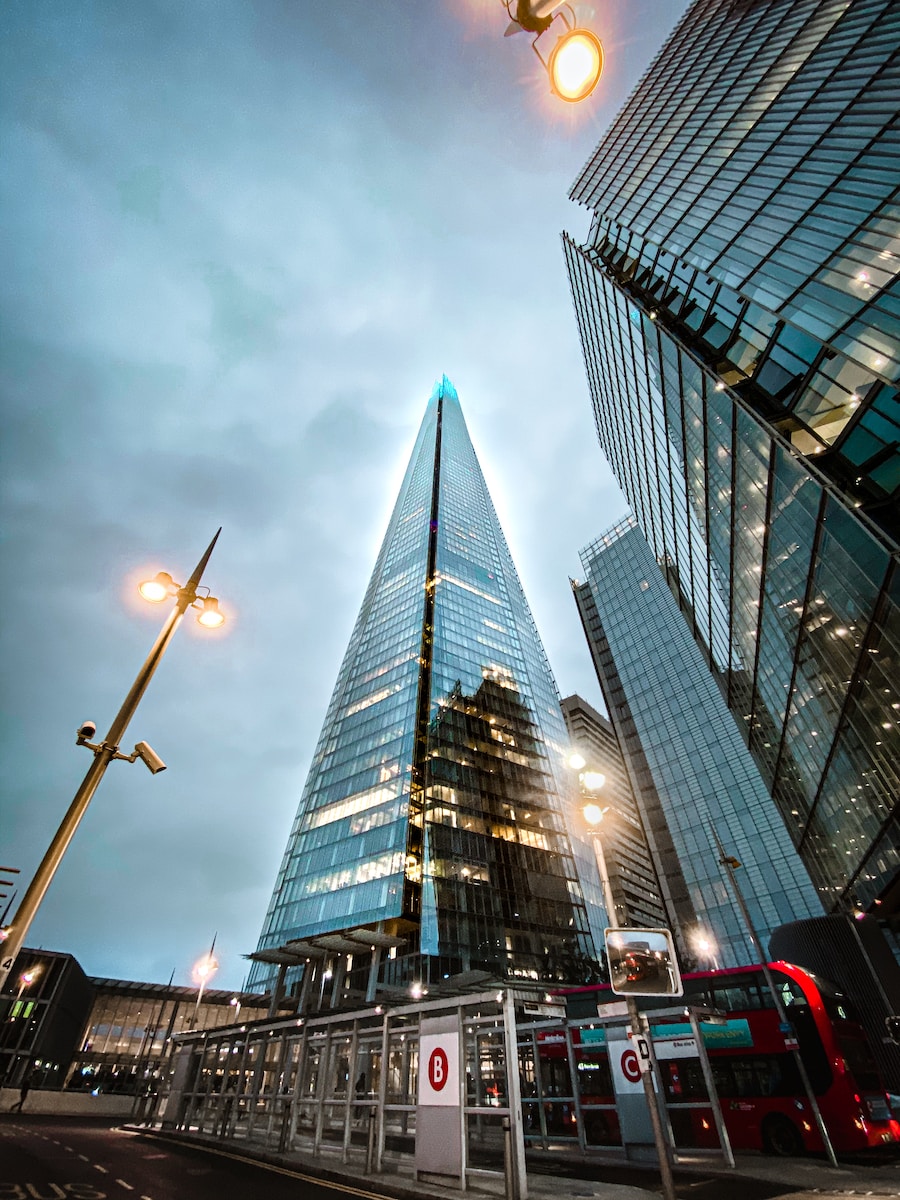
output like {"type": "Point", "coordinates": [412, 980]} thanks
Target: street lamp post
{"type": "Point", "coordinates": [731, 864]}
{"type": "Point", "coordinates": [593, 815]}
{"type": "Point", "coordinates": [204, 969]}
{"type": "Point", "coordinates": [106, 751]}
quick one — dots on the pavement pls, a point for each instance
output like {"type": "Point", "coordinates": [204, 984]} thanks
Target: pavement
{"type": "Point", "coordinates": [570, 1177]}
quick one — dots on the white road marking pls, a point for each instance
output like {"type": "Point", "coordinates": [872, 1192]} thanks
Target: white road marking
{"type": "Point", "coordinates": [97, 1167]}
{"type": "Point", "coordinates": [123, 1184]}
{"type": "Point", "coordinates": [84, 1158]}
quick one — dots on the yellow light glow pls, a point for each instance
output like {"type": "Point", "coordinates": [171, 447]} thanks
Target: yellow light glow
{"type": "Point", "coordinates": [576, 64]}
{"type": "Point", "coordinates": [593, 813]}
{"type": "Point", "coordinates": [593, 781]}
{"type": "Point", "coordinates": [158, 589]}
{"type": "Point", "coordinates": [210, 617]}
{"type": "Point", "coordinates": [204, 967]}
{"type": "Point", "coordinates": [576, 762]}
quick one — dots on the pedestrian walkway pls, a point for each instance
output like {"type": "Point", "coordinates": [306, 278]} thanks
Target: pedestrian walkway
{"type": "Point", "coordinates": [552, 1177]}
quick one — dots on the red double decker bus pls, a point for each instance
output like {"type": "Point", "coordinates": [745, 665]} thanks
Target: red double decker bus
{"type": "Point", "coordinates": [763, 1101]}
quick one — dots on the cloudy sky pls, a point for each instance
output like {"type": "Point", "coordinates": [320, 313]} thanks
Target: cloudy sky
{"type": "Point", "coordinates": [241, 240]}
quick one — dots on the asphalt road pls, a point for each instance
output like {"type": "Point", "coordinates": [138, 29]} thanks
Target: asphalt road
{"type": "Point", "coordinates": [47, 1158]}
{"type": "Point", "coordinates": [44, 1158]}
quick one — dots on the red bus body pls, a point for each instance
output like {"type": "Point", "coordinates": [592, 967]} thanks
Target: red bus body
{"type": "Point", "coordinates": [763, 1102]}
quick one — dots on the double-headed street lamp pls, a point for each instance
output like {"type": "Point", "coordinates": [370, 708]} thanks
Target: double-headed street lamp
{"type": "Point", "coordinates": [591, 783]}
{"type": "Point", "coordinates": [156, 590]}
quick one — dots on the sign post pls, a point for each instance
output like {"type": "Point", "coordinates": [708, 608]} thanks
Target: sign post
{"type": "Point", "coordinates": [439, 1138]}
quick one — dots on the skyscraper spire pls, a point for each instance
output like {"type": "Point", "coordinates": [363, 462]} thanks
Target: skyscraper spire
{"type": "Point", "coordinates": [433, 809]}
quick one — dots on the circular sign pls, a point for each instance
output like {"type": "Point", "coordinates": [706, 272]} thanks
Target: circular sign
{"type": "Point", "coordinates": [438, 1068]}
{"type": "Point", "coordinates": [630, 1066]}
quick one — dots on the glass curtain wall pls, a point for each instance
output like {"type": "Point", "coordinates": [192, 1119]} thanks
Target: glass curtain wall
{"type": "Point", "coordinates": [434, 806]}
{"type": "Point", "coordinates": [738, 298]}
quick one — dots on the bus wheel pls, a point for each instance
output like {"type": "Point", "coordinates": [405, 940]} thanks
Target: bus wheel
{"type": "Point", "coordinates": [781, 1136]}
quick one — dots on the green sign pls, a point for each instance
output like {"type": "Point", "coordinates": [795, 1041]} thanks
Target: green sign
{"type": "Point", "coordinates": [733, 1034]}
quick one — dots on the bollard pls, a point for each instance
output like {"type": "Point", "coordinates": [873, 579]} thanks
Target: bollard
{"type": "Point", "coordinates": [370, 1141]}
{"type": "Point", "coordinates": [508, 1160]}
{"type": "Point", "coordinates": [285, 1127]}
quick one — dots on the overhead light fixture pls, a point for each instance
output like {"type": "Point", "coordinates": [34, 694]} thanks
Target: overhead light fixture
{"type": "Point", "coordinates": [576, 61]}
{"type": "Point", "coordinates": [576, 64]}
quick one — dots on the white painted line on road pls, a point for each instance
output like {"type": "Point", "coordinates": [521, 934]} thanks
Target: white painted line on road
{"type": "Point", "coordinates": [122, 1183]}
{"type": "Point", "coordinates": [97, 1167]}
{"type": "Point", "coordinates": [84, 1158]}
{"type": "Point", "coordinates": [146, 1198]}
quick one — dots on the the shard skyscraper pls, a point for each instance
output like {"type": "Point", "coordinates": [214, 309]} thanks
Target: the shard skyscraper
{"type": "Point", "coordinates": [433, 820]}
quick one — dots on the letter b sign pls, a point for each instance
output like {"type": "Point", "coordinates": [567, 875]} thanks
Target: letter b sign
{"type": "Point", "coordinates": [437, 1069]}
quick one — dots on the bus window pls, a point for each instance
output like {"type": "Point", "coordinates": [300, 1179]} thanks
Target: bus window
{"type": "Point", "coordinates": [683, 1080]}
{"type": "Point", "coordinates": [756, 1075]}
{"type": "Point", "coordinates": [861, 1062]}
{"type": "Point", "coordinates": [595, 1077]}
{"type": "Point", "coordinates": [789, 991]}
{"type": "Point", "coordinates": [742, 994]}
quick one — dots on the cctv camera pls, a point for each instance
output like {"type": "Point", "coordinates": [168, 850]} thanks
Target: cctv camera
{"type": "Point", "coordinates": [87, 730]}
{"type": "Point", "coordinates": [149, 758]}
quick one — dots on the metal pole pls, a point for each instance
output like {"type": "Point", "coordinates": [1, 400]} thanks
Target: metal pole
{"type": "Point", "coordinates": [732, 864]}
{"type": "Point", "coordinates": [43, 877]}
{"type": "Point", "coordinates": [517, 1178]}
{"type": "Point", "coordinates": [663, 1151]}
{"type": "Point", "coordinates": [709, 1079]}
{"type": "Point", "coordinates": [370, 1140]}
{"type": "Point", "coordinates": [508, 1180]}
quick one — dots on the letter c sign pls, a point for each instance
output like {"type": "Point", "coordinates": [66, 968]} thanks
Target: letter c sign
{"type": "Point", "coordinates": [438, 1068]}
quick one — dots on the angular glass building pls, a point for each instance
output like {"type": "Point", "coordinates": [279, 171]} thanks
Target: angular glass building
{"type": "Point", "coordinates": [739, 310]}
{"type": "Point", "coordinates": [630, 866]}
{"type": "Point", "coordinates": [693, 777]}
{"type": "Point", "coordinates": [433, 818]}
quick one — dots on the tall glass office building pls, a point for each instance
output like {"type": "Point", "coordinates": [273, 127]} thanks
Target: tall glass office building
{"type": "Point", "coordinates": [434, 809]}
{"type": "Point", "coordinates": [700, 778]}
{"type": "Point", "coordinates": [739, 310]}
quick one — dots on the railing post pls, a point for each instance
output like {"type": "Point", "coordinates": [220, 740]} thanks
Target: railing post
{"type": "Point", "coordinates": [284, 1137]}
{"type": "Point", "coordinates": [508, 1164]}
{"type": "Point", "coordinates": [370, 1139]}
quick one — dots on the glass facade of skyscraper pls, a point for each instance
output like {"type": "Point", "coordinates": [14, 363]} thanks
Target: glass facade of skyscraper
{"type": "Point", "coordinates": [739, 309]}
{"type": "Point", "coordinates": [434, 806]}
{"type": "Point", "coordinates": [631, 870]}
{"type": "Point", "coordinates": [703, 777]}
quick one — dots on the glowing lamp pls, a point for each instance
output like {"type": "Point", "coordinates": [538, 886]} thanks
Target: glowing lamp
{"type": "Point", "coordinates": [576, 64]}
{"type": "Point", "coordinates": [576, 762]}
{"type": "Point", "coordinates": [210, 616]}
{"type": "Point", "coordinates": [593, 781]}
{"type": "Point", "coordinates": [593, 813]}
{"type": "Point", "coordinates": [158, 589]}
